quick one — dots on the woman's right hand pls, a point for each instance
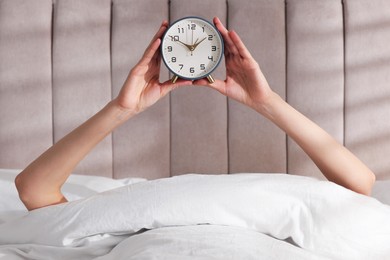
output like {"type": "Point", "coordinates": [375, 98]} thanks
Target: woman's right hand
{"type": "Point", "coordinates": [142, 87]}
{"type": "Point", "coordinates": [244, 80]}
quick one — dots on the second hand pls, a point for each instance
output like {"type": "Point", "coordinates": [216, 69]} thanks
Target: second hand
{"type": "Point", "coordinates": [192, 40]}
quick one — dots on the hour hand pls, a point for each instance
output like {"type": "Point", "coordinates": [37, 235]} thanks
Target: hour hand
{"type": "Point", "coordinates": [190, 47]}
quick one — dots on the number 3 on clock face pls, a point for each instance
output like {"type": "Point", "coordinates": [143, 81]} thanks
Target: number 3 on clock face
{"type": "Point", "coordinates": [192, 48]}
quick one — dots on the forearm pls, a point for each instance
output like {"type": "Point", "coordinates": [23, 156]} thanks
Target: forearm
{"type": "Point", "coordinates": [336, 162]}
{"type": "Point", "coordinates": [50, 170]}
{"type": "Point", "coordinates": [40, 183]}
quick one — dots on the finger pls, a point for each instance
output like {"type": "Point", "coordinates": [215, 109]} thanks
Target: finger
{"type": "Point", "coordinates": [231, 48]}
{"type": "Point", "coordinates": [150, 52]}
{"type": "Point", "coordinates": [244, 52]}
{"type": "Point", "coordinates": [168, 86]}
{"type": "Point", "coordinates": [160, 32]}
{"type": "Point", "coordinates": [146, 57]}
{"type": "Point", "coordinates": [157, 54]}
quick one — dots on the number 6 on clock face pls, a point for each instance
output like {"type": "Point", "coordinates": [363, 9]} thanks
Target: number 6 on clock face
{"type": "Point", "coordinates": [192, 48]}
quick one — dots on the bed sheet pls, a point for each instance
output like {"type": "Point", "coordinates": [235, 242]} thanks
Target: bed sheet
{"type": "Point", "coordinates": [206, 242]}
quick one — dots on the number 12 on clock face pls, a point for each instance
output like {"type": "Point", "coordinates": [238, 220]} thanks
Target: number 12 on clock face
{"type": "Point", "coordinates": [192, 48]}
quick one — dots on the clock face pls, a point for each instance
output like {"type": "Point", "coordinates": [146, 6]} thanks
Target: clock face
{"type": "Point", "coordinates": [192, 48]}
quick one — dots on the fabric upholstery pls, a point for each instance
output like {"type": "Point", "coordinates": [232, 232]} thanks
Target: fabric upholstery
{"type": "Point", "coordinates": [62, 61]}
{"type": "Point", "coordinates": [25, 81]}
{"type": "Point", "coordinates": [255, 144]}
{"type": "Point", "coordinates": [367, 82]}
{"type": "Point", "coordinates": [199, 114]}
{"type": "Point", "coordinates": [315, 75]}
{"type": "Point", "coordinates": [141, 147]}
{"type": "Point", "coordinates": [81, 72]}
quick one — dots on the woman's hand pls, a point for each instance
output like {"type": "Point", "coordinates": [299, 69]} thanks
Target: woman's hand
{"type": "Point", "coordinates": [39, 185]}
{"type": "Point", "coordinates": [244, 80]}
{"type": "Point", "coordinates": [142, 87]}
{"type": "Point", "coordinates": [246, 83]}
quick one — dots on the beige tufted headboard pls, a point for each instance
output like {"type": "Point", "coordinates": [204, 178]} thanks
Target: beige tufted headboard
{"type": "Point", "coordinates": [62, 61]}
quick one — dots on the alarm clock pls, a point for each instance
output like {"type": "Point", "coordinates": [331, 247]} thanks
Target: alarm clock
{"type": "Point", "coordinates": [192, 49]}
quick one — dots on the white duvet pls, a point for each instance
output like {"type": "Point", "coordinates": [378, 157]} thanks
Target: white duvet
{"type": "Point", "coordinates": [240, 216]}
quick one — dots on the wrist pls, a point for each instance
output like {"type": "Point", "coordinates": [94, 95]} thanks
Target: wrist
{"type": "Point", "coordinates": [268, 104]}
{"type": "Point", "coordinates": [120, 113]}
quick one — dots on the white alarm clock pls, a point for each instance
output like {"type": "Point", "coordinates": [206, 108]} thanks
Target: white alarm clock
{"type": "Point", "coordinates": [192, 48]}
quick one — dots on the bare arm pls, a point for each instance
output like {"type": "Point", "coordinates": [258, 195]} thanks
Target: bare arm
{"type": "Point", "coordinates": [39, 185]}
{"type": "Point", "coordinates": [246, 83]}
{"type": "Point", "coordinates": [336, 162]}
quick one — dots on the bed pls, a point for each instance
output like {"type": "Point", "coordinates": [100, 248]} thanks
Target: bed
{"type": "Point", "coordinates": [223, 182]}
{"type": "Point", "coordinates": [194, 216]}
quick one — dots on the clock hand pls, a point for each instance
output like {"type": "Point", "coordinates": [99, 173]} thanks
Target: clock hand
{"type": "Point", "coordinates": [192, 40]}
{"type": "Point", "coordinates": [193, 46]}
{"type": "Point", "coordinates": [195, 41]}
{"type": "Point", "coordinates": [187, 45]}
{"type": "Point", "coordinates": [196, 44]}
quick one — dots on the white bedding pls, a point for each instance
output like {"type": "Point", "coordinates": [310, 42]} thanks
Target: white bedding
{"type": "Point", "coordinates": [76, 187]}
{"type": "Point", "coordinates": [241, 216]}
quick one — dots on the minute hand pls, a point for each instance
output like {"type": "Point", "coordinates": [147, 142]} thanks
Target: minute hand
{"type": "Point", "coordinates": [196, 44]}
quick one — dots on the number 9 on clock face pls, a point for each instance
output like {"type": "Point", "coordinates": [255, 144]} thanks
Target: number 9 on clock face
{"type": "Point", "coordinates": [192, 48]}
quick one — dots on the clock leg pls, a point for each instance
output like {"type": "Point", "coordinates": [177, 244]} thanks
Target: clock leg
{"type": "Point", "coordinates": [210, 78]}
{"type": "Point", "coordinates": [174, 78]}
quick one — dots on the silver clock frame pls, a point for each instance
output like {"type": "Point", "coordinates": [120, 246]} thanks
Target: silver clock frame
{"type": "Point", "coordinates": [208, 76]}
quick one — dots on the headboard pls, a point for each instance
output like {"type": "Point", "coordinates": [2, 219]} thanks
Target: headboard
{"type": "Point", "coordinates": [62, 61]}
